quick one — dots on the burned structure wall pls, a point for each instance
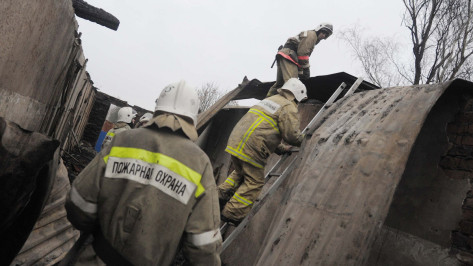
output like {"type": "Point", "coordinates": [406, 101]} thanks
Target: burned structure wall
{"type": "Point", "coordinates": [426, 207]}
{"type": "Point", "coordinates": [98, 115]}
{"type": "Point", "coordinates": [457, 163]}
{"type": "Point", "coordinates": [45, 89]}
{"type": "Point", "coordinates": [44, 86]}
{"type": "Point", "coordinates": [99, 112]}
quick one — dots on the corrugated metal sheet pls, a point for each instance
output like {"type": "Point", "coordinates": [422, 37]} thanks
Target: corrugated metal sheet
{"type": "Point", "coordinates": [331, 209]}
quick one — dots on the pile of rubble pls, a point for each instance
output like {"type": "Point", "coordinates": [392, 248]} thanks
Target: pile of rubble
{"type": "Point", "coordinates": [78, 158]}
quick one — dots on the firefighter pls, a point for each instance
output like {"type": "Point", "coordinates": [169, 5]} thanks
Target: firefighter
{"type": "Point", "coordinates": [293, 58]}
{"type": "Point", "coordinates": [253, 139]}
{"type": "Point", "coordinates": [151, 189]}
{"type": "Point", "coordinates": [144, 119]}
{"type": "Point", "coordinates": [125, 121]}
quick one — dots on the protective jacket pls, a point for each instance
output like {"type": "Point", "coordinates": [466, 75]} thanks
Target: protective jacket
{"type": "Point", "coordinates": [298, 49]}
{"type": "Point", "coordinates": [259, 132]}
{"type": "Point", "coordinates": [148, 190]}
{"type": "Point", "coordinates": [117, 128]}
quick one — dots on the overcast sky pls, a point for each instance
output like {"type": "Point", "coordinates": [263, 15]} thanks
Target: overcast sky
{"type": "Point", "coordinates": [201, 41]}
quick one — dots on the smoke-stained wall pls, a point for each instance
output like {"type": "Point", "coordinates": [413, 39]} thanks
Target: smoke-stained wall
{"type": "Point", "coordinates": [44, 86]}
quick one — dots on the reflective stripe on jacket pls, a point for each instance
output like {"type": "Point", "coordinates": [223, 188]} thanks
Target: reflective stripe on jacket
{"type": "Point", "coordinates": [299, 48]}
{"type": "Point", "coordinates": [148, 189]}
{"type": "Point", "coordinates": [260, 131]}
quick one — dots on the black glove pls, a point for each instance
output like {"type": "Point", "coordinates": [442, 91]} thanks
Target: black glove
{"type": "Point", "coordinates": [283, 149]}
{"type": "Point", "coordinates": [278, 151]}
{"type": "Point", "coordinates": [305, 74]}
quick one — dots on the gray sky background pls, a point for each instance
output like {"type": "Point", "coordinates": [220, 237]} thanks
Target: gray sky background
{"type": "Point", "coordinates": [161, 42]}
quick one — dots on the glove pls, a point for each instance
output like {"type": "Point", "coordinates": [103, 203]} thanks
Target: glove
{"type": "Point", "coordinates": [283, 149]}
{"type": "Point", "coordinates": [304, 74]}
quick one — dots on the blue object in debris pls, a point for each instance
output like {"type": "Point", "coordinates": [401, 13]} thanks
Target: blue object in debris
{"type": "Point", "coordinates": [98, 145]}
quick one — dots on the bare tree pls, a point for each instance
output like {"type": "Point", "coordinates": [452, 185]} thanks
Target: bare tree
{"type": "Point", "coordinates": [441, 33]}
{"type": "Point", "coordinates": [377, 56]}
{"type": "Point", "coordinates": [208, 95]}
{"type": "Point", "coordinates": [442, 37]}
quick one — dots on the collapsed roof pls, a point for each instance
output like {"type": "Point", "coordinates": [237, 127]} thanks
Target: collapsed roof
{"type": "Point", "coordinates": [319, 88]}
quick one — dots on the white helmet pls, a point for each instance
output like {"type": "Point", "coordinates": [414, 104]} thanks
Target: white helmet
{"type": "Point", "coordinates": [146, 117]}
{"type": "Point", "coordinates": [297, 88]}
{"type": "Point", "coordinates": [125, 114]}
{"type": "Point", "coordinates": [327, 27]}
{"type": "Point", "coordinates": [179, 98]}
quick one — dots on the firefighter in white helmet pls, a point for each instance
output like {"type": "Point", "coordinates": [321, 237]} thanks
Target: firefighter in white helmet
{"type": "Point", "coordinates": [293, 58]}
{"type": "Point", "coordinates": [253, 139]}
{"type": "Point", "coordinates": [124, 122]}
{"type": "Point", "coordinates": [150, 191]}
{"type": "Point", "coordinates": [144, 119]}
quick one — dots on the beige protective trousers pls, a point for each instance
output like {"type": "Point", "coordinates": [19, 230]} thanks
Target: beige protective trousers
{"type": "Point", "coordinates": [241, 189]}
{"type": "Point", "coordinates": [286, 70]}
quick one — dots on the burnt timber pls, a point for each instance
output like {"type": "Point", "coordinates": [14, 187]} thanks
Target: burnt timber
{"type": "Point", "coordinates": [86, 11]}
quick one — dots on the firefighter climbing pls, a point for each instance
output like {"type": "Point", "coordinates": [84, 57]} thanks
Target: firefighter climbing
{"type": "Point", "coordinates": [253, 139]}
{"type": "Point", "coordinates": [293, 58]}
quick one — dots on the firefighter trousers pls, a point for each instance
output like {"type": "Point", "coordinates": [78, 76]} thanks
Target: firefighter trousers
{"type": "Point", "coordinates": [241, 189]}
{"type": "Point", "coordinates": [286, 70]}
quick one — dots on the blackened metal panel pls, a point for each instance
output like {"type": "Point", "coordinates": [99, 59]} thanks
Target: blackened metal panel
{"type": "Point", "coordinates": [319, 87]}
{"type": "Point", "coordinates": [216, 140]}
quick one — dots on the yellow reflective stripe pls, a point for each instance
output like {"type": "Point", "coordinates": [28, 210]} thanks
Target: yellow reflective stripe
{"type": "Point", "coordinates": [266, 117]}
{"type": "Point", "coordinates": [111, 134]}
{"type": "Point", "coordinates": [161, 159]}
{"type": "Point", "coordinates": [255, 123]}
{"type": "Point", "coordinates": [242, 200]}
{"type": "Point", "coordinates": [243, 157]}
{"type": "Point", "coordinates": [250, 131]}
{"type": "Point", "coordinates": [230, 181]}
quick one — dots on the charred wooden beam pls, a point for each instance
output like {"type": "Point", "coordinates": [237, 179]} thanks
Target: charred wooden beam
{"type": "Point", "coordinates": [83, 10]}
